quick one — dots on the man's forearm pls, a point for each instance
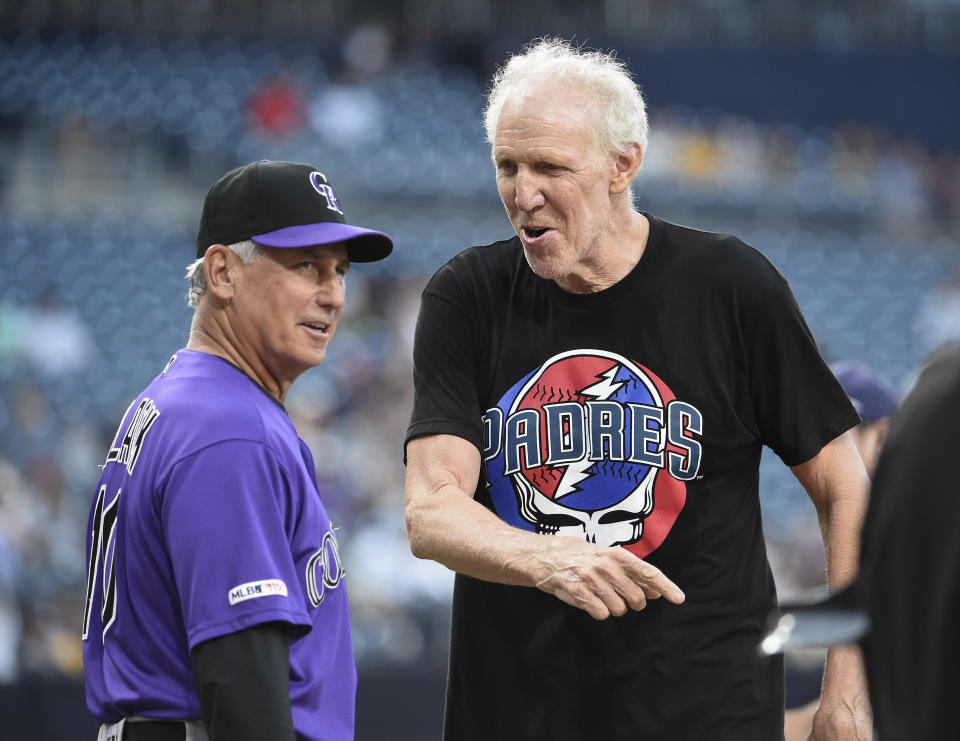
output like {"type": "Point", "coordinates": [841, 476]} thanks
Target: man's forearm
{"type": "Point", "coordinates": [448, 526]}
{"type": "Point", "coordinates": [243, 682]}
{"type": "Point", "coordinates": [840, 526]}
{"type": "Point", "coordinates": [837, 483]}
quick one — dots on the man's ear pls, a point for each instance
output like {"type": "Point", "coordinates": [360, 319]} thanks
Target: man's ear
{"type": "Point", "coordinates": [625, 167]}
{"type": "Point", "coordinates": [221, 265]}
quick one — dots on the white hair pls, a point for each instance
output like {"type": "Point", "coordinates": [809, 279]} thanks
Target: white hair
{"type": "Point", "coordinates": [604, 77]}
{"type": "Point", "coordinates": [247, 251]}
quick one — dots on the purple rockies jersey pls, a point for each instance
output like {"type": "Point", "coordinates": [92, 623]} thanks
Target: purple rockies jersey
{"type": "Point", "coordinates": [207, 521]}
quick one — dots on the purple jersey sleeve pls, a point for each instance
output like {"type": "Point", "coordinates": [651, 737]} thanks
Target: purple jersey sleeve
{"type": "Point", "coordinates": [226, 512]}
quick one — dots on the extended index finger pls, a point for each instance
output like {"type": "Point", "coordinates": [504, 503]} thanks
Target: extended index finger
{"type": "Point", "coordinates": [650, 578]}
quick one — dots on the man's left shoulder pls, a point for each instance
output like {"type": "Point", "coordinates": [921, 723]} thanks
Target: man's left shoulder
{"type": "Point", "coordinates": [717, 256]}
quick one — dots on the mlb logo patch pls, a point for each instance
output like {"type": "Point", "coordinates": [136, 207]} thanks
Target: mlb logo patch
{"type": "Point", "coordinates": [255, 589]}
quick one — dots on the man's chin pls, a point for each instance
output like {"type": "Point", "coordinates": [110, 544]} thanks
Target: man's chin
{"type": "Point", "coordinates": [313, 358]}
{"type": "Point", "coordinates": [543, 266]}
{"type": "Point", "coordinates": [318, 357]}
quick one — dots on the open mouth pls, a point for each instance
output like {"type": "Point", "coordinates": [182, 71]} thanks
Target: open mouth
{"type": "Point", "coordinates": [533, 232]}
{"type": "Point", "coordinates": [317, 326]}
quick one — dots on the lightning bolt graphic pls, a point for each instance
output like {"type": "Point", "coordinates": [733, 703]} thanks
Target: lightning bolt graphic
{"type": "Point", "coordinates": [604, 388]}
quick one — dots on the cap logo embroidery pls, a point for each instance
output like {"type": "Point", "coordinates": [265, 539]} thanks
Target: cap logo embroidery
{"type": "Point", "coordinates": [318, 181]}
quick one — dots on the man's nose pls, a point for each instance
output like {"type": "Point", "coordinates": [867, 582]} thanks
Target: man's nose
{"type": "Point", "coordinates": [529, 194]}
{"type": "Point", "coordinates": [333, 292]}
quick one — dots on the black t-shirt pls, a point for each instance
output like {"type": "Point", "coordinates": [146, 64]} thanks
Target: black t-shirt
{"type": "Point", "coordinates": [910, 572]}
{"type": "Point", "coordinates": [634, 416]}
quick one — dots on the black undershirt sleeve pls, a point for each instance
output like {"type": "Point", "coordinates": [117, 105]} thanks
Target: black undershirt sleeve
{"type": "Point", "coordinates": [243, 681]}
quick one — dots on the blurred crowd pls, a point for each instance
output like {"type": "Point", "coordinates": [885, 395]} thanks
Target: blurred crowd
{"type": "Point", "coordinates": [44, 467]}
{"type": "Point", "coordinates": [465, 27]}
{"type": "Point", "coordinates": [851, 168]}
{"type": "Point", "coordinates": [129, 115]}
{"type": "Point", "coordinates": [89, 178]}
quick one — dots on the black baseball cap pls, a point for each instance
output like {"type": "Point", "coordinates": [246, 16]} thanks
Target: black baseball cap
{"type": "Point", "coordinates": [283, 204]}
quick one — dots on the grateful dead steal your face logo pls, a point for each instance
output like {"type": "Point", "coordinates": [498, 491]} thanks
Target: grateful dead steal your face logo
{"type": "Point", "coordinates": [595, 446]}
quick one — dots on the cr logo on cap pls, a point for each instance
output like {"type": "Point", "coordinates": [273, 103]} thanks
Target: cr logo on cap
{"type": "Point", "coordinates": [318, 181]}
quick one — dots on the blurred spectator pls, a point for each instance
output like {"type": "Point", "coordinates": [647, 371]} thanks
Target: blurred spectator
{"type": "Point", "coordinates": [366, 52]}
{"type": "Point", "coordinates": [55, 340]}
{"type": "Point", "coordinates": [12, 320]}
{"type": "Point", "coordinates": [874, 400]}
{"type": "Point", "coordinates": [35, 425]}
{"type": "Point", "coordinates": [347, 112]}
{"type": "Point", "coordinates": [854, 155]}
{"type": "Point", "coordinates": [938, 318]}
{"type": "Point", "coordinates": [41, 571]}
{"type": "Point", "coordinates": [276, 107]}
{"type": "Point", "coordinates": [902, 176]}
{"type": "Point", "coordinates": [10, 619]}
{"type": "Point", "coordinates": [945, 188]}
{"type": "Point", "coordinates": [51, 645]}
{"type": "Point", "coordinates": [10, 569]}
{"type": "Point", "coordinates": [349, 115]}
{"type": "Point", "coordinates": [76, 153]}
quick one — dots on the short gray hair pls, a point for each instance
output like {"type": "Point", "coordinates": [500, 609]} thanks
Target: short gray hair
{"type": "Point", "coordinates": [601, 74]}
{"type": "Point", "coordinates": [247, 251]}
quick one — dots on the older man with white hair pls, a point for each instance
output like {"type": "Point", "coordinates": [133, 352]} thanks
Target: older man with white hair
{"type": "Point", "coordinates": [610, 377]}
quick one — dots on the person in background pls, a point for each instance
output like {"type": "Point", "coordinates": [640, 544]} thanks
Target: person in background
{"type": "Point", "coordinates": [909, 584]}
{"type": "Point", "coordinates": [875, 401]}
{"type": "Point", "coordinates": [903, 608]}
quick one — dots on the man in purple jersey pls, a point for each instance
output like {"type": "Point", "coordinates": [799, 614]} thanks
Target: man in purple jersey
{"type": "Point", "coordinates": [215, 604]}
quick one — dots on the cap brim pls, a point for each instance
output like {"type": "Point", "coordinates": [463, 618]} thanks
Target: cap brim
{"type": "Point", "coordinates": [836, 620]}
{"type": "Point", "coordinates": [363, 245]}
